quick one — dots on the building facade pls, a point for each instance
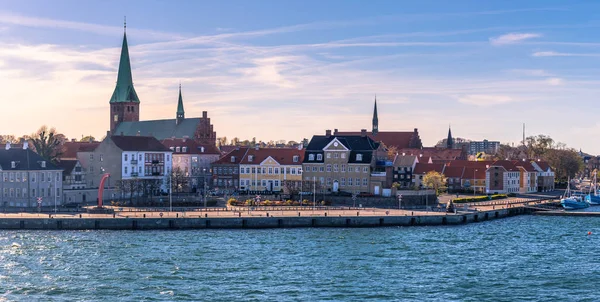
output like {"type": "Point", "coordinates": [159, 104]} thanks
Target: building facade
{"type": "Point", "coordinates": [485, 146]}
{"type": "Point", "coordinates": [193, 160]}
{"type": "Point", "coordinates": [28, 180]}
{"type": "Point", "coordinates": [225, 171]}
{"type": "Point", "coordinates": [404, 166]}
{"type": "Point", "coordinates": [271, 169]}
{"type": "Point", "coordinates": [342, 162]}
{"type": "Point", "coordinates": [503, 177]}
{"type": "Point", "coordinates": [545, 176]}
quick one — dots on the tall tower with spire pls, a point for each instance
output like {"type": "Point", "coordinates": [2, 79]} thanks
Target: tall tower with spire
{"type": "Point", "coordinates": [375, 119]}
{"type": "Point", "coordinates": [124, 103]}
{"type": "Point", "coordinates": [449, 140]}
{"type": "Point", "coordinates": [180, 112]}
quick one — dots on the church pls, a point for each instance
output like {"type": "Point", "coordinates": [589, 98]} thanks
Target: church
{"type": "Point", "coordinates": [125, 112]}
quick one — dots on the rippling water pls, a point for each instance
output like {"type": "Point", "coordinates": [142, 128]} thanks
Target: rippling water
{"type": "Point", "coordinates": [527, 257]}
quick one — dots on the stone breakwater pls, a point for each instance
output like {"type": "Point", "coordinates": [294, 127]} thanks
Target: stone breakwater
{"type": "Point", "coordinates": [109, 223]}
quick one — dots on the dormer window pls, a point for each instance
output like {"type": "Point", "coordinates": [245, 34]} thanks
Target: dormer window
{"type": "Point", "coordinates": [178, 149]}
{"type": "Point", "coordinates": [233, 159]}
{"type": "Point", "coordinates": [319, 156]}
{"type": "Point", "coordinates": [358, 157]}
{"type": "Point", "coordinates": [296, 158]}
{"type": "Point", "coordinates": [43, 164]}
{"type": "Point", "coordinates": [311, 157]}
{"type": "Point", "coordinates": [13, 164]}
{"type": "Point", "coordinates": [250, 158]}
{"type": "Point", "coordinates": [172, 148]}
{"type": "Point", "coordinates": [184, 149]}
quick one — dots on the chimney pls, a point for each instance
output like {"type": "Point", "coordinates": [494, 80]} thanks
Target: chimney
{"type": "Point", "coordinates": [300, 146]}
{"type": "Point", "coordinates": [363, 132]}
{"type": "Point", "coordinates": [256, 147]}
{"type": "Point", "coordinates": [73, 140]}
{"type": "Point", "coordinates": [202, 149]}
{"type": "Point", "coordinates": [335, 131]}
{"type": "Point", "coordinates": [25, 145]}
{"type": "Point", "coordinates": [416, 130]}
{"type": "Point", "coordinates": [327, 133]}
{"type": "Point", "coordinates": [204, 114]}
{"type": "Point", "coordinates": [403, 154]}
{"type": "Point", "coordinates": [7, 146]}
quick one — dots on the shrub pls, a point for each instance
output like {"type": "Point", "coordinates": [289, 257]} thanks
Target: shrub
{"type": "Point", "coordinates": [479, 198]}
{"type": "Point", "coordinates": [232, 201]}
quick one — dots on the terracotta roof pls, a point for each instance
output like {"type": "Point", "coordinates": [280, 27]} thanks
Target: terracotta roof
{"type": "Point", "coordinates": [284, 156]}
{"type": "Point", "coordinates": [543, 165]}
{"type": "Point", "coordinates": [192, 146]}
{"type": "Point", "coordinates": [421, 168]}
{"type": "Point", "coordinates": [67, 165]}
{"type": "Point", "coordinates": [479, 173]}
{"type": "Point", "coordinates": [469, 163]}
{"type": "Point", "coordinates": [506, 164]}
{"type": "Point", "coordinates": [526, 165]}
{"type": "Point", "coordinates": [237, 153]}
{"type": "Point", "coordinates": [70, 149]}
{"type": "Point", "coordinates": [138, 143]}
{"type": "Point", "coordinates": [454, 172]}
{"type": "Point", "coordinates": [398, 139]}
{"type": "Point", "coordinates": [424, 159]}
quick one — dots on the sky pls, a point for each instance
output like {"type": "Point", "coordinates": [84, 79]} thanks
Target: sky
{"type": "Point", "coordinates": [292, 69]}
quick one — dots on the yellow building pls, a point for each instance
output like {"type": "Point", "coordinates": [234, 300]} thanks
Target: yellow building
{"type": "Point", "coordinates": [269, 169]}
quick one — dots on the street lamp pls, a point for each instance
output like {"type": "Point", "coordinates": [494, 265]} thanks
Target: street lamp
{"type": "Point", "coordinates": [204, 178]}
{"type": "Point", "coordinates": [399, 201]}
{"type": "Point", "coordinates": [170, 191]}
{"type": "Point", "coordinates": [314, 192]}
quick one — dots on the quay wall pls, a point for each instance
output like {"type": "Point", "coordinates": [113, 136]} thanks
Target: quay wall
{"type": "Point", "coordinates": [252, 222]}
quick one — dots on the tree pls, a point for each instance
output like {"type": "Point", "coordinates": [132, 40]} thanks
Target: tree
{"type": "Point", "coordinates": [8, 139]}
{"type": "Point", "coordinates": [47, 143]}
{"type": "Point", "coordinates": [537, 146]}
{"type": "Point", "coordinates": [222, 141]}
{"type": "Point", "coordinates": [391, 152]}
{"type": "Point", "coordinates": [88, 138]}
{"type": "Point", "coordinates": [235, 141]}
{"type": "Point", "coordinates": [435, 181]}
{"type": "Point", "coordinates": [178, 180]}
{"type": "Point", "coordinates": [566, 163]}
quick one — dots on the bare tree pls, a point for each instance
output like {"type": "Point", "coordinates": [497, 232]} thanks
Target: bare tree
{"type": "Point", "coordinates": [47, 143]}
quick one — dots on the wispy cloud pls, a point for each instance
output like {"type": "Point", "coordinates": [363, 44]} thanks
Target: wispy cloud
{"type": "Point", "coordinates": [554, 81]}
{"type": "Point", "coordinates": [563, 54]}
{"type": "Point", "coordinates": [513, 38]}
{"type": "Point", "coordinates": [486, 100]}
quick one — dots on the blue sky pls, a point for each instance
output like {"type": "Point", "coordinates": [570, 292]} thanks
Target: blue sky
{"type": "Point", "coordinates": [290, 69]}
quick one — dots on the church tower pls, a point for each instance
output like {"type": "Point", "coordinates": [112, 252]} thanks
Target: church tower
{"type": "Point", "coordinates": [449, 140]}
{"type": "Point", "coordinates": [180, 113]}
{"type": "Point", "coordinates": [124, 103]}
{"type": "Point", "coordinates": [375, 119]}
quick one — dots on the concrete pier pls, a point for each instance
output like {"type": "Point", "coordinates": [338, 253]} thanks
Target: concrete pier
{"type": "Point", "coordinates": [275, 219]}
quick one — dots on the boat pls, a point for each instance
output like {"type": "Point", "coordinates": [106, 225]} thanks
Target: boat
{"type": "Point", "coordinates": [571, 201]}
{"type": "Point", "coordinates": [593, 198]}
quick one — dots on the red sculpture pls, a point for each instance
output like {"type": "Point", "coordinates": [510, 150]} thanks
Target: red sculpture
{"type": "Point", "coordinates": [101, 188]}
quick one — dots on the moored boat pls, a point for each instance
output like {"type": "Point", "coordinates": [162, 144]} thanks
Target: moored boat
{"type": "Point", "coordinates": [572, 201]}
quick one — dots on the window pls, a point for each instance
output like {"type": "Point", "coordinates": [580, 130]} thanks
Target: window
{"type": "Point", "coordinates": [349, 181]}
{"type": "Point", "coordinates": [57, 176]}
{"type": "Point", "coordinates": [125, 156]}
{"type": "Point", "coordinates": [49, 177]}
{"type": "Point", "coordinates": [328, 154]}
{"type": "Point", "coordinates": [101, 157]}
{"type": "Point", "coordinates": [264, 170]}
{"type": "Point", "coordinates": [32, 193]}
{"type": "Point", "coordinates": [322, 180]}
{"type": "Point", "coordinates": [24, 176]}
{"type": "Point", "coordinates": [311, 157]}
{"type": "Point", "coordinates": [5, 176]}
{"type": "Point", "coordinates": [343, 168]}
{"type": "Point", "coordinates": [91, 156]}
{"type": "Point", "coordinates": [43, 192]}
{"type": "Point", "coordinates": [12, 192]}
{"type": "Point", "coordinates": [366, 169]}
{"type": "Point", "coordinates": [358, 157]}
{"type": "Point", "coordinates": [314, 169]}
{"type": "Point", "coordinates": [350, 169]}
{"type": "Point", "coordinates": [18, 193]}
{"type": "Point", "coordinates": [270, 170]}
{"type": "Point", "coordinates": [233, 159]}
{"type": "Point", "coordinates": [329, 181]}
{"type": "Point", "coordinates": [248, 171]}
{"type": "Point", "coordinates": [277, 183]}
{"type": "Point", "coordinates": [365, 182]}
{"type": "Point", "coordinates": [253, 170]}
{"type": "Point", "coordinates": [12, 176]}
{"type": "Point", "coordinates": [58, 192]}
{"type": "Point", "coordinates": [319, 156]}
{"type": "Point", "coordinates": [343, 181]}
{"type": "Point", "coordinates": [276, 170]}
{"type": "Point", "coordinates": [125, 170]}
{"type": "Point", "coordinates": [168, 157]}
{"type": "Point", "coordinates": [18, 177]}
{"type": "Point", "coordinates": [293, 171]}
{"type": "Point", "coordinates": [178, 149]}
{"type": "Point", "coordinates": [343, 155]}
{"type": "Point", "coordinates": [328, 168]}
{"type": "Point", "coordinates": [264, 183]}
{"type": "Point", "coordinates": [140, 157]}
{"type": "Point", "coordinates": [321, 169]}
{"type": "Point", "coordinates": [250, 158]}
{"type": "Point", "coordinates": [184, 149]}
{"type": "Point", "coordinates": [335, 167]}
{"type": "Point", "coordinates": [296, 158]}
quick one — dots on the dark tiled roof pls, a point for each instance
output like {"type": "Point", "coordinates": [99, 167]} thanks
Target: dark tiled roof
{"type": "Point", "coordinates": [161, 129]}
{"type": "Point", "coordinates": [238, 153]}
{"type": "Point", "coordinates": [227, 148]}
{"type": "Point", "coordinates": [67, 165]}
{"type": "Point", "coordinates": [506, 164]}
{"type": "Point", "coordinates": [138, 143]}
{"type": "Point", "coordinates": [543, 165]}
{"type": "Point", "coordinates": [355, 143]}
{"type": "Point", "coordinates": [24, 160]}
{"type": "Point", "coordinates": [435, 153]}
{"type": "Point", "coordinates": [284, 156]}
{"type": "Point", "coordinates": [404, 161]}
{"type": "Point", "coordinates": [398, 139]}
{"type": "Point", "coordinates": [526, 165]}
{"type": "Point", "coordinates": [192, 146]}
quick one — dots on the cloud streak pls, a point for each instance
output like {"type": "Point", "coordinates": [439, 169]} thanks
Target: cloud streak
{"type": "Point", "coordinates": [513, 38]}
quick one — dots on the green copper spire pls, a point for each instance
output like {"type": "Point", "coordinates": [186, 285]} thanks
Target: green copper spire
{"type": "Point", "coordinates": [180, 112]}
{"type": "Point", "coordinates": [375, 119]}
{"type": "Point", "coordinates": [124, 92]}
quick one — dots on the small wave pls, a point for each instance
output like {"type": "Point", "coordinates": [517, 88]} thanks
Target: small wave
{"type": "Point", "coordinates": [167, 292]}
{"type": "Point", "coordinates": [15, 245]}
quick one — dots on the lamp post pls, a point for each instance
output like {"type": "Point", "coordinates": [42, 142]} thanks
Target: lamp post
{"type": "Point", "coordinates": [170, 191]}
{"type": "Point", "coordinates": [314, 192]}
{"type": "Point", "coordinates": [400, 202]}
{"type": "Point", "coordinates": [474, 181]}
{"type": "Point", "coordinates": [204, 190]}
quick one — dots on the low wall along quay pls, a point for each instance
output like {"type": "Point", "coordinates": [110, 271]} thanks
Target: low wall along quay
{"type": "Point", "coordinates": [13, 223]}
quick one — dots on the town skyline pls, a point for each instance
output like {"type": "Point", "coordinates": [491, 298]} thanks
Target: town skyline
{"type": "Point", "coordinates": [292, 79]}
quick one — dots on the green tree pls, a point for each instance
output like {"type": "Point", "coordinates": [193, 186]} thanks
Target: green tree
{"type": "Point", "coordinates": [88, 138]}
{"type": "Point", "coordinates": [538, 146]}
{"type": "Point", "coordinates": [434, 180]}
{"type": "Point", "coordinates": [47, 143]}
{"type": "Point", "coordinates": [566, 163]}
